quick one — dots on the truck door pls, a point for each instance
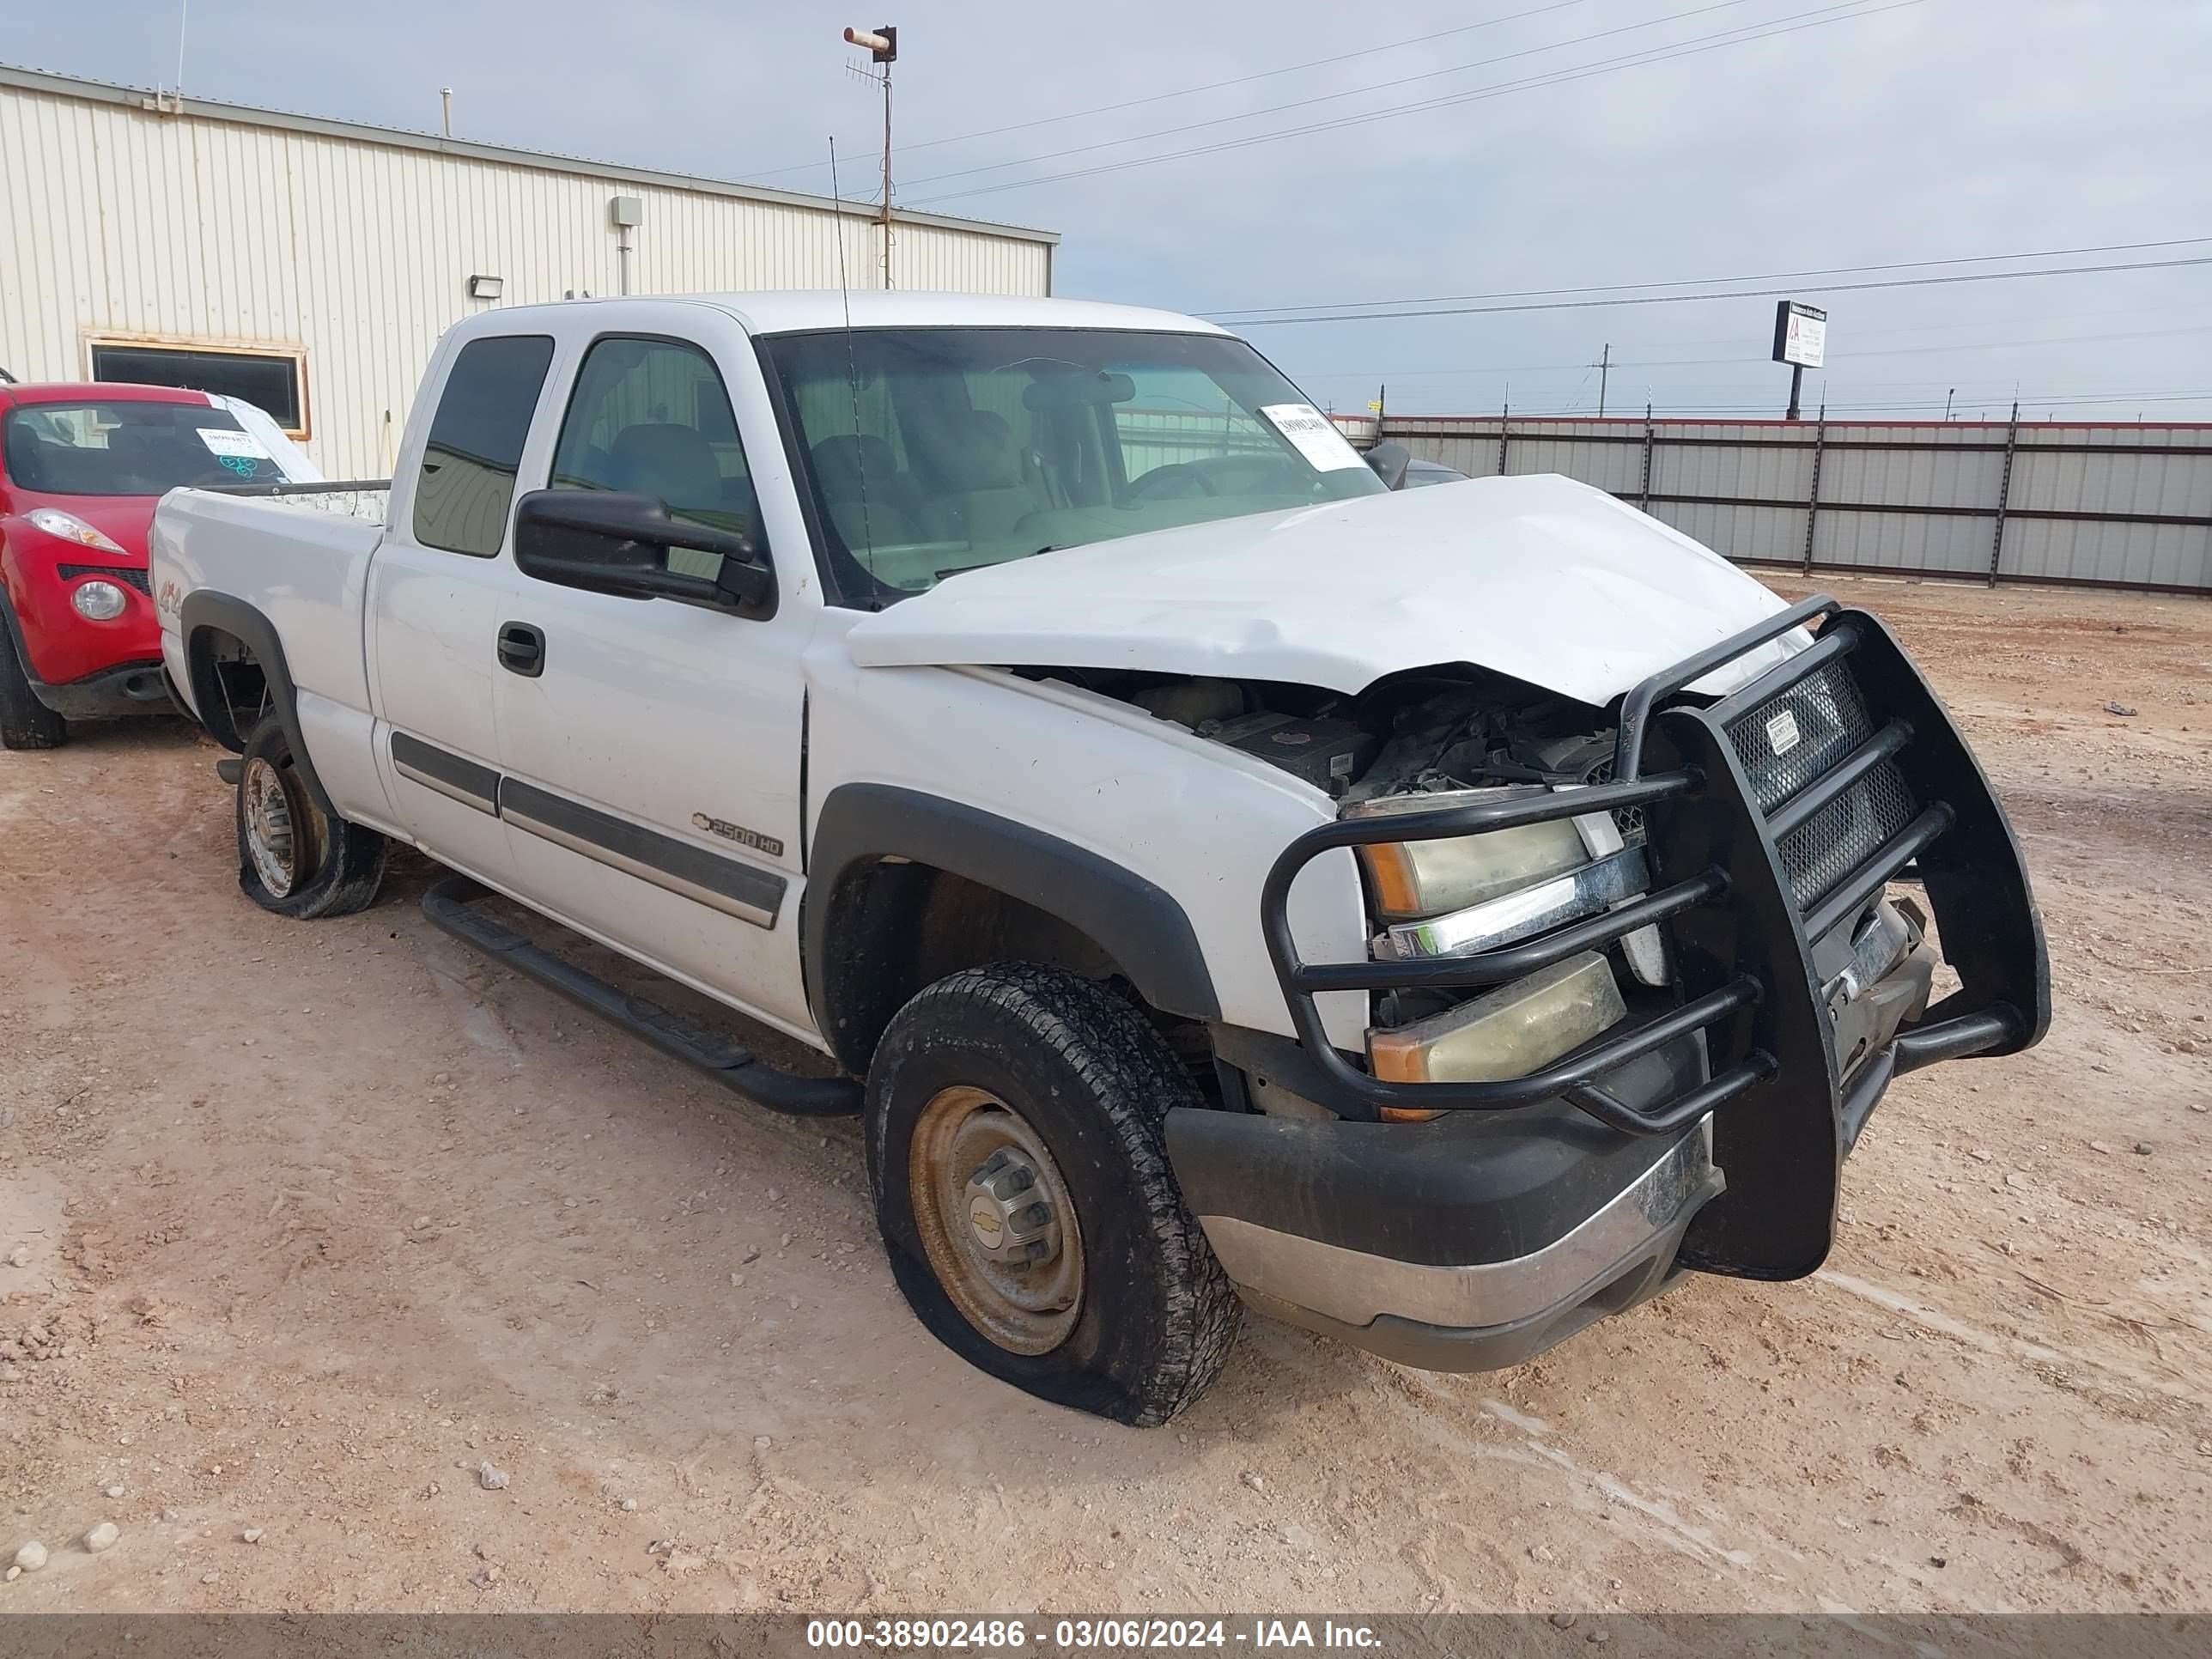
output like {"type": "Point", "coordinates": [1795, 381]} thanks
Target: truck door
{"type": "Point", "coordinates": [651, 748]}
{"type": "Point", "coordinates": [439, 589]}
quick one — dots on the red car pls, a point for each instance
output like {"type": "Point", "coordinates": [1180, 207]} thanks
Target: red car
{"type": "Point", "coordinates": [80, 469]}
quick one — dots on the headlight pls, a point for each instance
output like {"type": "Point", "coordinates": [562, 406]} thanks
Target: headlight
{"type": "Point", "coordinates": [1585, 892]}
{"type": "Point", "coordinates": [1464, 894]}
{"type": "Point", "coordinates": [98, 601]}
{"type": "Point", "coordinates": [1412, 879]}
{"type": "Point", "coordinates": [1512, 1031]}
{"type": "Point", "coordinates": [69, 528]}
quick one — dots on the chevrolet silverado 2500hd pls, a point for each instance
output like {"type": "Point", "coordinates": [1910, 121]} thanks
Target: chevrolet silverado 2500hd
{"type": "Point", "coordinates": [1438, 918]}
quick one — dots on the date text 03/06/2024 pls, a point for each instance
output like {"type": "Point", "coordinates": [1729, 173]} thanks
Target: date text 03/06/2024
{"type": "Point", "coordinates": [1104, 1635]}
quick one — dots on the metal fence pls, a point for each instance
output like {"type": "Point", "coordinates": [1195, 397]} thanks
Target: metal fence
{"type": "Point", "coordinates": [2106, 506]}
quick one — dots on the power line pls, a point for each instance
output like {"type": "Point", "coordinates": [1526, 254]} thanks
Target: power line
{"type": "Point", "coordinates": [1790, 24]}
{"type": "Point", "coordinates": [1334, 97]}
{"type": "Point", "coordinates": [1251, 312]}
{"type": "Point", "coordinates": [1210, 85]}
{"type": "Point", "coordinates": [1728, 293]}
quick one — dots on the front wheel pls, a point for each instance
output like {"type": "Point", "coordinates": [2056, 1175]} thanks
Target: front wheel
{"type": "Point", "coordinates": [293, 858]}
{"type": "Point", "coordinates": [1021, 1185]}
{"type": "Point", "coordinates": [25, 722]}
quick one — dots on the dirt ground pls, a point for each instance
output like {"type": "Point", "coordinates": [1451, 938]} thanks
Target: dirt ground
{"type": "Point", "coordinates": [318, 1219]}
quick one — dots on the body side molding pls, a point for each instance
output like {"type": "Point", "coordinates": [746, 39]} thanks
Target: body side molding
{"type": "Point", "coordinates": [744, 890]}
{"type": "Point", "coordinates": [452, 775]}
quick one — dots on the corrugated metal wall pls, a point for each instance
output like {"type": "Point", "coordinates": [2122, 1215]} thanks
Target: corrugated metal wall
{"type": "Point", "coordinates": [121, 222]}
{"type": "Point", "coordinates": [2127, 506]}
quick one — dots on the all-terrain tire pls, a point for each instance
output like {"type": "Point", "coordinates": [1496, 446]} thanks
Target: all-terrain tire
{"type": "Point", "coordinates": [25, 722]}
{"type": "Point", "coordinates": [1156, 1316]}
{"type": "Point", "coordinates": [330, 866]}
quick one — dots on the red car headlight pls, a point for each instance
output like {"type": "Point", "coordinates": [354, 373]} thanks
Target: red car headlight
{"type": "Point", "coordinates": [67, 526]}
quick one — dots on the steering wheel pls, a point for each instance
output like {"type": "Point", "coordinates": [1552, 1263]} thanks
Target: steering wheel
{"type": "Point", "coordinates": [1171, 483]}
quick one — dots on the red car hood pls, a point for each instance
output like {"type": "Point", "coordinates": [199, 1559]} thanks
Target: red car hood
{"type": "Point", "coordinates": [126, 521]}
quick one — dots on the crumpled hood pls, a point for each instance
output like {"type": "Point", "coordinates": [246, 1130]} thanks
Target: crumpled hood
{"type": "Point", "coordinates": [1539, 577]}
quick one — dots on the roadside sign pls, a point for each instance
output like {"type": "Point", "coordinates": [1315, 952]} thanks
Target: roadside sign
{"type": "Point", "coordinates": [1801, 334]}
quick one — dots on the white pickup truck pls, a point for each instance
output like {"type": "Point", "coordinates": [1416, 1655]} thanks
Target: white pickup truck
{"type": "Point", "coordinates": [1438, 919]}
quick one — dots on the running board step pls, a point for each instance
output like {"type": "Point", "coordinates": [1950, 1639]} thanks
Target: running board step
{"type": "Point", "coordinates": [448, 904]}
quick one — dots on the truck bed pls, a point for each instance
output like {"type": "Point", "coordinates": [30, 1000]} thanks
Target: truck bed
{"type": "Point", "coordinates": [301, 553]}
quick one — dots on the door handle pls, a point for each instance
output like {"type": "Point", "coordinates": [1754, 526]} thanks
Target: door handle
{"type": "Point", "coordinates": [522, 649]}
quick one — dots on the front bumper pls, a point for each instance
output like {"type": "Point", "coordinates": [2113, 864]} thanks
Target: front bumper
{"type": "Point", "coordinates": [82, 670]}
{"type": "Point", "coordinates": [1465, 1243]}
{"type": "Point", "coordinates": [1750, 1093]}
{"type": "Point", "coordinates": [133, 688]}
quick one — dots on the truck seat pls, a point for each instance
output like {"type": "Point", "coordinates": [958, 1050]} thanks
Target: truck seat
{"type": "Point", "coordinates": [992, 485]}
{"type": "Point", "coordinates": [870, 501]}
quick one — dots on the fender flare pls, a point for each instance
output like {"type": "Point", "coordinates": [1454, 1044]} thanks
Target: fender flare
{"type": "Point", "coordinates": [1135, 921]}
{"type": "Point", "coordinates": [204, 610]}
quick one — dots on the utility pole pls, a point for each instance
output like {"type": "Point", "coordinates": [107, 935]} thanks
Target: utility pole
{"type": "Point", "coordinates": [881, 44]}
{"type": "Point", "coordinates": [1947, 395]}
{"type": "Point", "coordinates": [1604, 368]}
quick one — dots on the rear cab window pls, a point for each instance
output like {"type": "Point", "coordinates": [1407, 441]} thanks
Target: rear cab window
{"type": "Point", "coordinates": [466, 482]}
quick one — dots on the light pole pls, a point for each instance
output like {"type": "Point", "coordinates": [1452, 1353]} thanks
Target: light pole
{"type": "Point", "coordinates": [881, 44]}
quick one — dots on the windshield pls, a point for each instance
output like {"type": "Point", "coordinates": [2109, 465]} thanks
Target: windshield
{"type": "Point", "coordinates": [130, 448]}
{"type": "Point", "coordinates": [930, 452]}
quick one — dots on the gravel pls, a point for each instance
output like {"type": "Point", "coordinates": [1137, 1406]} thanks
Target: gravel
{"type": "Point", "coordinates": [489, 1478]}
{"type": "Point", "coordinates": [102, 1537]}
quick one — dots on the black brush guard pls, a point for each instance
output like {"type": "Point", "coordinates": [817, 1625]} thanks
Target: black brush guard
{"type": "Point", "coordinates": [1784, 1114]}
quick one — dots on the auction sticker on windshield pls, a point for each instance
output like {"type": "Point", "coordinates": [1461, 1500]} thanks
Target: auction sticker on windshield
{"type": "Point", "coordinates": [1313, 434]}
{"type": "Point", "coordinates": [243, 445]}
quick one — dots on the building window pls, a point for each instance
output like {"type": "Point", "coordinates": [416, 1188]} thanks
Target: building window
{"type": "Point", "coordinates": [272, 381]}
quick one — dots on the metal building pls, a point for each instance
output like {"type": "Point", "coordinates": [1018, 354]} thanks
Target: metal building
{"type": "Point", "coordinates": [309, 265]}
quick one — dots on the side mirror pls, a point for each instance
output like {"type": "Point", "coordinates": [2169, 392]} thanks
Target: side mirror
{"type": "Point", "coordinates": [1390, 461]}
{"type": "Point", "coordinates": [606, 541]}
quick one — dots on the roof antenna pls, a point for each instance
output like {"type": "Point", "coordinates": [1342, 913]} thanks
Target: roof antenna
{"type": "Point", "coordinates": [853, 373]}
{"type": "Point", "coordinates": [183, 12]}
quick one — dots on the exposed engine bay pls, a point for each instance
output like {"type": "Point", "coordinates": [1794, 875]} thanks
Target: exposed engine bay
{"type": "Point", "coordinates": [1417, 734]}
{"type": "Point", "coordinates": [1448, 736]}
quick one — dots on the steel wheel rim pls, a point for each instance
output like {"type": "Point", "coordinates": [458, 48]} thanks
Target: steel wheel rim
{"type": "Point", "coordinates": [1023, 1310]}
{"type": "Point", "coordinates": [279, 827]}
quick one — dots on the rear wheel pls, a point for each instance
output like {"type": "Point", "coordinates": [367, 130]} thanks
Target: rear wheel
{"type": "Point", "coordinates": [1015, 1146]}
{"type": "Point", "coordinates": [293, 858]}
{"type": "Point", "coordinates": [25, 722]}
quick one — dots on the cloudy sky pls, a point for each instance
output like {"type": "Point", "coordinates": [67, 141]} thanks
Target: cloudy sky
{"type": "Point", "coordinates": [1326, 157]}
